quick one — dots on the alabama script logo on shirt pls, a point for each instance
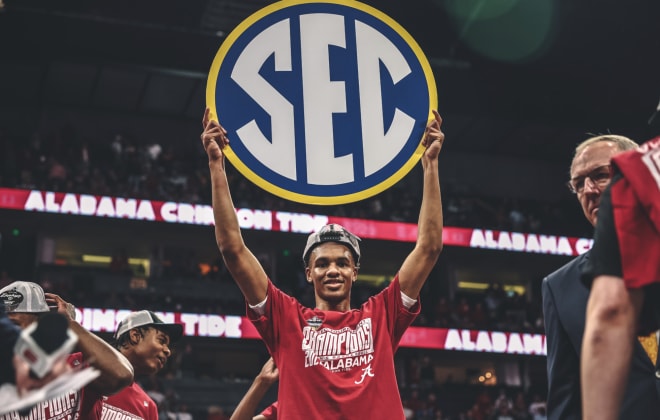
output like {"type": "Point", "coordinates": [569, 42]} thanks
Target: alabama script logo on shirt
{"type": "Point", "coordinates": [339, 350]}
{"type": "Point", "coordinates": [325, 102]}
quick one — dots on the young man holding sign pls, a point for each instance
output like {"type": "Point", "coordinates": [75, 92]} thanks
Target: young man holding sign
{"type": "Point", "coordinates": [336, 362]}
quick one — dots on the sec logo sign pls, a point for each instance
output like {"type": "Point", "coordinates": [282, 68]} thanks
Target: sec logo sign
{"type": "Point", "coordinates": [325, 102]}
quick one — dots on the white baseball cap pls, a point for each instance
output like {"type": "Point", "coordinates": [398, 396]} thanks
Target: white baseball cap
{"type": "Point", "coordinates": [333, 233]}
{"type": "Point", "coordinates": [24, 297]}
{"type": "Point", "coordinates": [144, 318]}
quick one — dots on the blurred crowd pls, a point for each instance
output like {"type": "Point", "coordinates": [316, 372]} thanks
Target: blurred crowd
{"type": "Point", "coordinates": [448, 402]}
{"type": "Point", "coordinates": [126, 166]}
{"type": "Point", "coordinates": [493, 309]}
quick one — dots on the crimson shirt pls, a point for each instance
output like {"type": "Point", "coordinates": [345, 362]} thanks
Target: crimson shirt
{"type": "Point", "coordinates": [627, 238]}
{"type": "Point", "coordinates": [636, 205]}
{"type": "Point", "coordinates": [336, 364]}
{"type": "Point", "coordinates": [131, 403]}
{"type": "Point", "coordinates": [270, 412]}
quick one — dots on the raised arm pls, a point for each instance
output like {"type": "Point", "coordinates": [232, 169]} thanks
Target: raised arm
{"type": "Point", "coordinates": [418, 265]}
{"type": "Point", "coordinates": [241, 263]}
{"type": "Point", "coordinates": [116, 370]}
{"type": "Point", "coordinates": [264, 380]}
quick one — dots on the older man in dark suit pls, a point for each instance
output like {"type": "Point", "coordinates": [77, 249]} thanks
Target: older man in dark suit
{"type": "Point", "coordinates": [565, 301]}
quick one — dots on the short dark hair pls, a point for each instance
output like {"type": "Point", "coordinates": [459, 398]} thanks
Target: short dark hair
{"type": "Point", "coordinates": [124, 340]}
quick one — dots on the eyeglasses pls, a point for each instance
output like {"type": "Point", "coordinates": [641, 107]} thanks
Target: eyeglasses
{"type": "Point", "coordinates": [599, 177]}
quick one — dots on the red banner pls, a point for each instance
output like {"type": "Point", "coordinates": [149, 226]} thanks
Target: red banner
{"type": "Point", "coordinates": [280, 221]}
{"type": "Point", "coordinates": [240, 327]}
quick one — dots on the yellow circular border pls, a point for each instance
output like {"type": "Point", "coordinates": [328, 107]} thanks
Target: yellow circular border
{"type": "Point", "coordinates": [311, 199]}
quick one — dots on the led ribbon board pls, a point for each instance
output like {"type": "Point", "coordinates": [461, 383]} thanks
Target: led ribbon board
{"type": "Point", "coordinates": [325, 102]}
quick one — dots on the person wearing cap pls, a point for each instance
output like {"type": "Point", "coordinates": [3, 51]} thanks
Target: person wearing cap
{"type": "Point", "coordinates": [335, 362]}
{"type": "Point", "coordinates": [144, 339]}
{"type": "Point", "coordinates": [25, 302]}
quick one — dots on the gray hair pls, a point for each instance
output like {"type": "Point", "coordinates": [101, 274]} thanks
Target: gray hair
{"type": "Point", "coordinates": [621, 142]}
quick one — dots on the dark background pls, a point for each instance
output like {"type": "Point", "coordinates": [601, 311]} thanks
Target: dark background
{"type": "Point", "coordinates": [523, 79]}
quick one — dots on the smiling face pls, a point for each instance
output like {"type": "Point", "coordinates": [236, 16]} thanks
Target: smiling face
{"type": "Point", "coordinates": [148, 350]}
{"type": "Point", "coordinates": [591, 157]}
{"type": "Point", "coordinates": [332, 271]}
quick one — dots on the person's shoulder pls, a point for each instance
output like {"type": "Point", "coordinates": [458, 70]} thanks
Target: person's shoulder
{"type": "Point", "coordinates": [565, 270]}
{"type": "Point", "coordinates": [274, 290]}
{"type": "Point", "coordinates": [391, 289]}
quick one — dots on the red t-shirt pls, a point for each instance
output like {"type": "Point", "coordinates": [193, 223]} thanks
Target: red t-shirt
{"type": "Point", "coordinates": [336, 364]}
{"type": "Point", "coordinates": [636, 208]}
{"type": "Point", "coordinates": [84, 404]}
{"type": "Point", "coordinates": [270, 412]}
{"type": "Point", "coordinates": [131, 403]}
{"type": "Point", "coordinates": [627, 238]}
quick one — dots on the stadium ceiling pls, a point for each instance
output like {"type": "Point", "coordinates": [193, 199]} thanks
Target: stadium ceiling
{"type": "Point", "coordinates": [515, 78]}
